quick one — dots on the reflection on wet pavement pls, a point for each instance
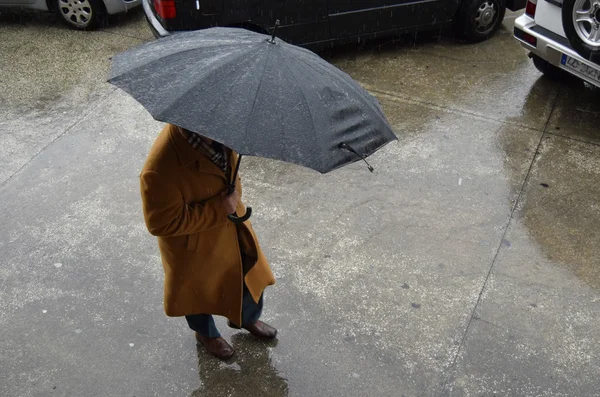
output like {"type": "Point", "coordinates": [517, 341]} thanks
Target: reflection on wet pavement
{"type": "Point", "coordinates": [250, 373]}
{"type": "Point", "coordinates": [465, 265]}
{"type": "Point", "coordinates": [562, 210]}
{"type": "Point", "coordinates": [577, 114]}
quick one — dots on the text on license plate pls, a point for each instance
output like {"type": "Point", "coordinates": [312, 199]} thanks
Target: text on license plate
{"type": "Point", "coordinates": [581, 68]}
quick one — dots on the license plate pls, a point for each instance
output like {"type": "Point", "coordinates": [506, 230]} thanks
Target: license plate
{"type": "Point", "coordinates": [581, 68]}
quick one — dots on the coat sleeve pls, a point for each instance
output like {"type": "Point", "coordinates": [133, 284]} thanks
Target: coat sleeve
{"type": "Point", "coordinates": [167, 214]}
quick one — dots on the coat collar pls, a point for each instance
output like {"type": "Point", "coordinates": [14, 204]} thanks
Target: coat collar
{"type": "Point", "coordinates": [187, 154]}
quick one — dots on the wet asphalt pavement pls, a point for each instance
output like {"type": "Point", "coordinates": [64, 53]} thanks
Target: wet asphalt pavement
{"type": "Point", "coordinates": [466, 265]}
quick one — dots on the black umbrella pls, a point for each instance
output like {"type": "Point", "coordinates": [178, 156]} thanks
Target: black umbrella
{"type": "Point", "coordinates": [257, 95]}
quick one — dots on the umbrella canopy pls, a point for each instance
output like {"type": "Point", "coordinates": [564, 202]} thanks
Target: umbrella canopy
{"type": "Point", "coordinates": [258, 96]}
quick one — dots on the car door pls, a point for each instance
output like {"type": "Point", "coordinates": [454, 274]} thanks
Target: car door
{"type": "Point", "coordinates": [354, 18]}
{"type": "Point", "coordinates": [304, 21]}
{"type": "Point", "coordinates": [16, 2]}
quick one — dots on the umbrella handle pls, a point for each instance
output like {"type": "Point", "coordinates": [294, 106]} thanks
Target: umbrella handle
{"type": "Point", "coordinates": [238, 220]}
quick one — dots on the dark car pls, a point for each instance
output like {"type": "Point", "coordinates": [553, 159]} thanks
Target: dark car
{"type": "Point", "coordinates": [317, 22]}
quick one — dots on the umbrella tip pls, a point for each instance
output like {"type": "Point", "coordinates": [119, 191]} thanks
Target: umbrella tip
{"type": "Point", "coordinates": [344, 145]}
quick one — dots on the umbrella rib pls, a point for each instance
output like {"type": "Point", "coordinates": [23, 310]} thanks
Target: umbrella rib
{"type": "Point", "coordinates": [256, 93]}
{"type": "Point", "coordinates": [345, 83]}
{"type": "Point", "coordinates": [159, 59]}
{"type": "Point", "coordinates": [229, 94]}
{"type": "Point", "coordinates": [193, 86]}
{"type": "Point", "coordinates": [312, 118]}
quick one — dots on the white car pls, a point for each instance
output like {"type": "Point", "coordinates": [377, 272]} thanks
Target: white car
{"type": "Point", "coordinates": [563, 36]}
{"type": "Point", "coordinates": [79, 14]}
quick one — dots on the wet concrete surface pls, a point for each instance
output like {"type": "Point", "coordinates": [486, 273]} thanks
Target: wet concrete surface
{"type": "Point", "coordinates": [51, 78]}
{"type": "Point", "coordinates": [466, 265]}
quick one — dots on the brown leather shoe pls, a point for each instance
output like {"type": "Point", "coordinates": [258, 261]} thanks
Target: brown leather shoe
{"type": "Point", "coordinates": [258, 329]}
{"type": "Point", "coordinates": [218, 347]}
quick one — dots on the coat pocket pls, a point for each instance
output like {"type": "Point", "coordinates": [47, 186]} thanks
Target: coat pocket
{"type": "Point", "coordinates": [192, 243]}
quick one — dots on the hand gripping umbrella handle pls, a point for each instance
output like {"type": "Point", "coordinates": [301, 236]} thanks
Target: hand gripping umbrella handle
{"type": "Point", "coordinates": [238, 220]}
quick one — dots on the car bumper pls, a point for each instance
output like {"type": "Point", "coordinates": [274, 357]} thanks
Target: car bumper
{"type": "Point", "coordinates": [155, 26]}
{"type": "Point", "coordinates": [119, 6]}
{"type": "Point", "coordinates": [549, 46]}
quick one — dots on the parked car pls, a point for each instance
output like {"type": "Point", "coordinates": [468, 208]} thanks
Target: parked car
{"type": "Point", "coordinates": [562, 36]}
{"type": "Point", "coordinates": [314, 22]}
{"type": "Point", "coordinates": [79, 14]}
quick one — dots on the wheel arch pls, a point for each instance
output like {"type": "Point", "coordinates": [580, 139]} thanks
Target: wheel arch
{"type": "Point", "coordinates": [51, 4]}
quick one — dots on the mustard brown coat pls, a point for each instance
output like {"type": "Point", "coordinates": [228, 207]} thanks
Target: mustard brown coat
{"type": "Point", "coordinates": [201, 249]}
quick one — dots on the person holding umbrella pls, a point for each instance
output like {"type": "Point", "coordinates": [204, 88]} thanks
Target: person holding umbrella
{"type": "Point", "coordinates": [224, 88]}
{"type": "Point", "coordinates": [212, 265]}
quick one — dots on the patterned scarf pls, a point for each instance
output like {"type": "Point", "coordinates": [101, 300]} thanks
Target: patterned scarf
{"type": "Point", "coordinates": [215, 151]}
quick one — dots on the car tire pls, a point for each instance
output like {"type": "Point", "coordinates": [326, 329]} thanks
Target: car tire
{"type": "Point", "coordinates": [584, 36]}
{"type": "Point", "coordinates": [477, 20]}
{"type": "Point", "coordinates": [549, 70]}
{"type": "Point", "coordinates": [80, 14]}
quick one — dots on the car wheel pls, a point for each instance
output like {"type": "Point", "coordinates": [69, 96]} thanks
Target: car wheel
{"type": "Point", "coordinates": [581, 20]}
{"type": "Point", "coordinates": [80, 14]}
{"type": "Point", "coordinates": [477, 20]}
{"type": "Point", "coordinates": [548, 69]}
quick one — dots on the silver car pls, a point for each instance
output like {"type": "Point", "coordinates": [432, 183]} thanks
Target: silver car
{"type": "Point", "coordinates": [79, 14]}
{"type": "Point", "coordinates": [562, 36]}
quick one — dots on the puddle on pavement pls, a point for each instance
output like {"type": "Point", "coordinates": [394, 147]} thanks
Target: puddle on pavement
{"type": "Point", "coordinates": [250, 373]}
{"type": "Point", "coordinates": [562, 211]}
{"type": "Point", "coordinates": [560, 208]}
{"type": "Point", "coordinates": [577, 113]}
{"type": "Point", "coordinates": [562, 217]}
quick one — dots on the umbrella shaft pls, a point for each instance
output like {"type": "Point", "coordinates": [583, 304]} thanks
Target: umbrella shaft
{"type": "Point", "coordinates": [272, 41]}
{"type": "Point", "coordinates": [235, 174]}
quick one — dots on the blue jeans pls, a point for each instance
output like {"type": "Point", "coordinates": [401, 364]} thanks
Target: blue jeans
{"type": "Point", "coordinates": [204, 324]}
